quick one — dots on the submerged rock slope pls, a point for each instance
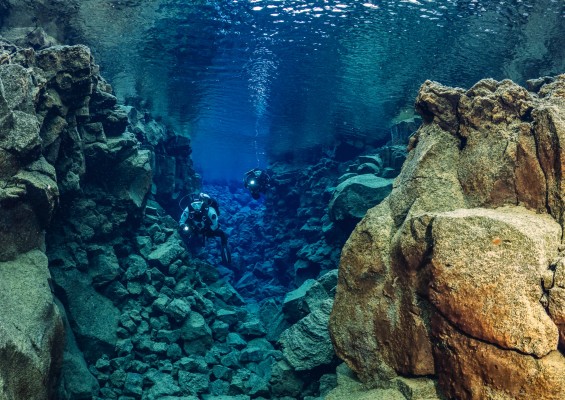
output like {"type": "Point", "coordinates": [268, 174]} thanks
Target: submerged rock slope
{"type": "Point", "coordinates": [458, 273]}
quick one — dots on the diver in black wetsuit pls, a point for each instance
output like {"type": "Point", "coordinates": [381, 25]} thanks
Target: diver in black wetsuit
{"type": "Point", "coordinates": [201, 217]}
{"type": "Point", "coordinates": [256, 181]}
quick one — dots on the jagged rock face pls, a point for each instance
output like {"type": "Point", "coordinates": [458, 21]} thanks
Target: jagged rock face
{"type": "Point", "coordinates": [60, 127]}
{"type": "Point", "coordinates": [458, 273]}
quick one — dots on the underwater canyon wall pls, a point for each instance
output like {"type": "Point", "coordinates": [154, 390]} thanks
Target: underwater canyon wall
{"type": "Point", "coordinates": [60, 124]}
{"type": "Point", "coordinates": [458, 273]}
{"type": "Point", "coordinates": [76, 170]}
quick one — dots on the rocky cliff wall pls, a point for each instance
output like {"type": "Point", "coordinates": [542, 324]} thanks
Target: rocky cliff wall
{"type": "Point", "coordinates": [60, 127]}
{"type": "Point", "coordinates": [457, 274]}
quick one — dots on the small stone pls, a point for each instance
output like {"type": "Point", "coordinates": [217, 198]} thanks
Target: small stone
{"type": "Point", "coordinates": [178, 309]}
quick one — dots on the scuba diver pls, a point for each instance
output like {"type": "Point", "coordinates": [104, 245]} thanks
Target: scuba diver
{"type": "Point", "coordinates": [201, 217]}
{"type": "Point", "coordinates": [256, 181]}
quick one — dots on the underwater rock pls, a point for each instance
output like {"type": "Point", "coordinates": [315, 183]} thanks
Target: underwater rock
{"type": "Point", "coordinates": [76, 381]}
{"type": "Point", "coordinates": [28, 199]}
{"type": "Point", "coordinates": [29, 192]}
{"type": "Point", "coordinates": [166, 253]}
{"type": "Point", "coordinates": [34, 37]}
{"type": "Point", "coordinates": [300, 302]}
{"type": "Point", "coordinates": [136, 267]}
{"type": "Point", "coordinates": [284, 380]}
{"type": "Point", "coordinates": [393, 158]}
{"type": "Point", "coordinates": [81, 163]}
{"type": "Point", "coordinates": [172, 164]}
{"type": "Point", "coordinates": [18, 90]}
{"type": "Point", "coordinates": [511, 249]}
{"type": "Point", "coordinates": [349, 387]}
{"type": "Point", "coordinates": [329, 281]}
{"type": "Point", "coordinates": [68, 70]}
{"type": "Point", "coordinates": [256, 351]}
{"type": "Point", "coordinates": [31, 329]}
{"type": "Point", "coordinates": [554, 284]}
{"type": "Point", "coordinates": [252, 327]}
{"type": "Point", "coordinates": [368, 168]}
{"type": "Point", "coordinates": [163, 385]}
{"type": "Point", "coordinates": [193, 383]}
{"type": "Point", "coordinates": [95, 331]}
{"type": "Point", "coordinates": [354, 196]}
{"type": "Point", "coordinates": [273, 319]}
{"type": "Point", "coordinates": [132, 179]}
{"type": "Point", "coordinates": [196, 334]}
{"type": "Point", "coordinates": [444, 277]}
{"type": "Point", "coordinates": [306, 344]}
{"type": "Point", "coordinates": [103, 266]}
{"type": "Point", "coordinates": [178, 309]}
{"type": "Point", "coordinates": [76, 174]}
{"type": "Point", "coordinates": [485, 370]}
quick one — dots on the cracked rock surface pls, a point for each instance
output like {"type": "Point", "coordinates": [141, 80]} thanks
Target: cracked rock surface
{"type": "Point", "coordinates": [457, 275]}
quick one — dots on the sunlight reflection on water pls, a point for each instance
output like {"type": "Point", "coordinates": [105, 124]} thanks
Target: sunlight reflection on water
{"type": "Point", "coordinates": [301, 74]}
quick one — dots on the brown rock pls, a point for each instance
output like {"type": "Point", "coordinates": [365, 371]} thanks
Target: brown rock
{"type": "Point", "coordinates": [470, 369]}
{"type": "Point", "coordinates": [486, 271]}
{"type": "Point", "coordinates": [499, 152]}
{"type": "Point", "coordinates": [438, 104]}
{"type": "Point", "coordinates": [430, 168]}
{"type": "Point", "coordinates": [556, 300]}
{"type": "Point", "coordinates": [549, 131]}
{"type": "Point", "coordinates": [469, 237]}
{"type": "Point", "coordinates": [378, 313]}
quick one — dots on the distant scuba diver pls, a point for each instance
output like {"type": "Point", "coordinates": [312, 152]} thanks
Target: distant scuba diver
{"type": "Point", "coordinates": [201, 217]}
{"type": "Point", "coordinates": [256, 181]}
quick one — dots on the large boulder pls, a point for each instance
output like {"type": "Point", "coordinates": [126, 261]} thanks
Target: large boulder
{"type": "Point", "coordinates": [486, 271]}
{"type": "Point", "coordinates": [378, 315]}
{"type": "Point", "coordinates": [32, 336]}
{"type": "Point", "coordinates": [76, 381]}
{"type": "Point", "coordinates": [96, 332]}
{"type": "Point", "coordinates": [457, 273]}
{"type": "Point", "coordinates": [353, 197]}
{"type": "Point", "coordinates": [306, 344]}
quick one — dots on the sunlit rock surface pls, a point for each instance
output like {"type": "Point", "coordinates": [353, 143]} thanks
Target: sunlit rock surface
{"type": "Point", "coordinates": [456, 274]}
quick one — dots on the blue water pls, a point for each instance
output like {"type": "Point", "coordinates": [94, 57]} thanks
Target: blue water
{"type": "Point", "coordinates": [260, 80]}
